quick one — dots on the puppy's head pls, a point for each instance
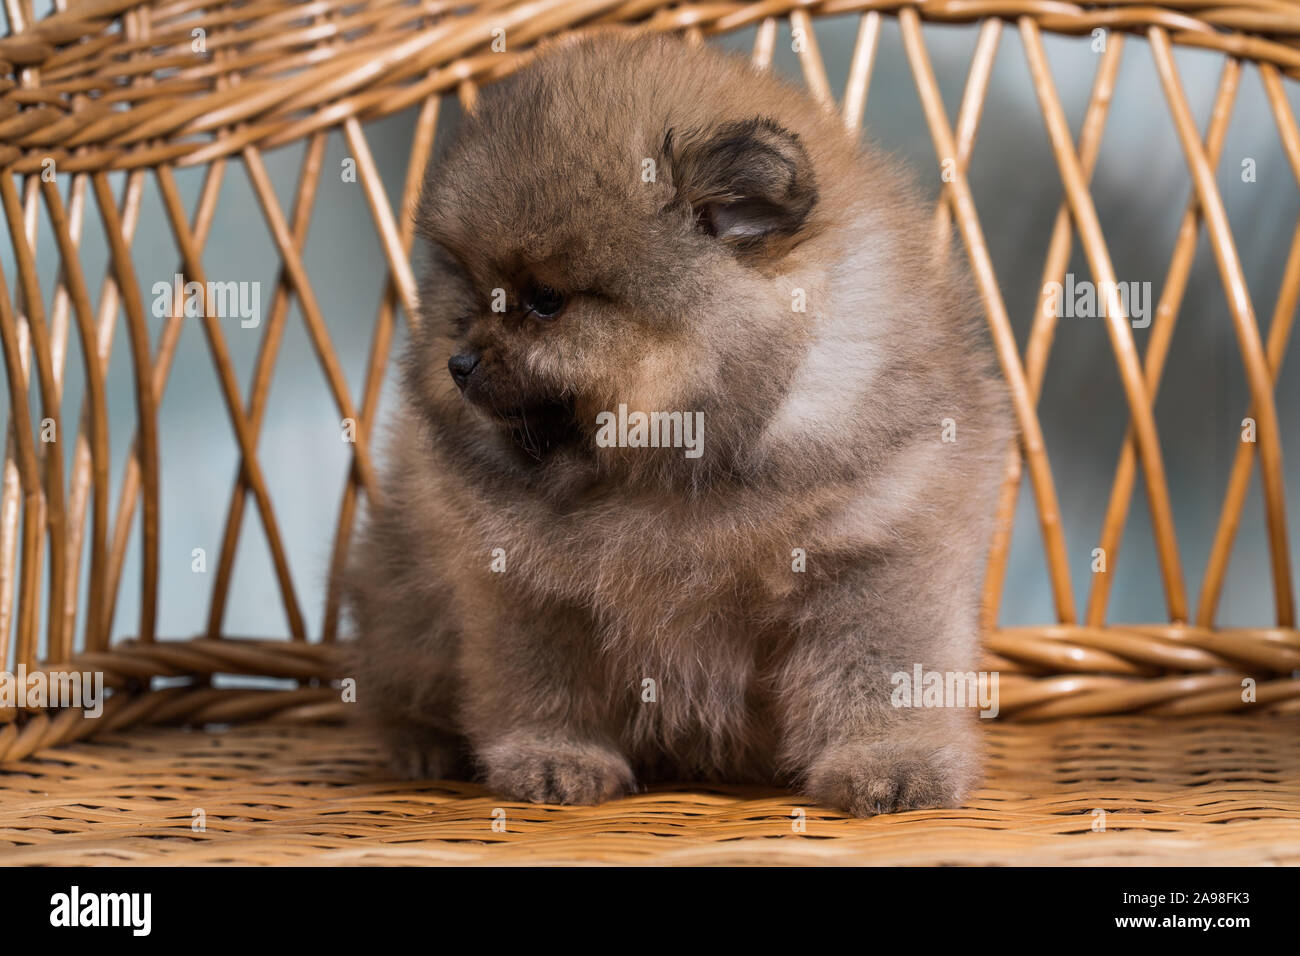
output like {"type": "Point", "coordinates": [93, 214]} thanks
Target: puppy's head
{"type": "Point", "coordinates": [618, 224]}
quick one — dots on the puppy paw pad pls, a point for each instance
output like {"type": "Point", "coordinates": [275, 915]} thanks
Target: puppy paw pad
{"type": "Point", "coordinates": [559, 773]}
{"type": "Point", "coordinates": [884, 777]}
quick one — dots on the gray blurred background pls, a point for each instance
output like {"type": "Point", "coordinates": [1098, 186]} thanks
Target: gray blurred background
{"type": "Point", "coordinates": [1140, 189]}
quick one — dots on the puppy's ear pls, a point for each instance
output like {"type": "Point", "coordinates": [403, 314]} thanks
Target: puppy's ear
{"type": "Point", "coordinates": [751, 183]}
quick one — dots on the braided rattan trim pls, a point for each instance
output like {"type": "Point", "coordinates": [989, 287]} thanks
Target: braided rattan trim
{"type": "Point", "coordinates": [107, 99]}
{"type": "Point", "coordinates": [189, 706]}
{"type": "Point", "coordinates": [1045, 672]}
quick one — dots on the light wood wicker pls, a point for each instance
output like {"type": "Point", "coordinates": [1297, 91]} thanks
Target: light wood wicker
{"type": "Point", "coordinates": [1109, 790]}
{"type": "Point", "coordinates": [106, 85]}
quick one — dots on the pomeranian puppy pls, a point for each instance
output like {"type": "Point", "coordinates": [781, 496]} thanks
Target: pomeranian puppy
{"type": "Point", "coordinates": [698, 450]}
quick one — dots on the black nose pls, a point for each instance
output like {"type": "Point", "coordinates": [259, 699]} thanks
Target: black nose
{"type": "Point", "coordinates": [460, 365]}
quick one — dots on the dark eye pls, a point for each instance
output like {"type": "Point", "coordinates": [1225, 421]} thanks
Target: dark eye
{"type": "Point", "coordinates": [543, 301]}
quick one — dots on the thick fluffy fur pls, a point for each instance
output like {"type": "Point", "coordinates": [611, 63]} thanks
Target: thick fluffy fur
{"type": "Point", "coordinates": [822, 433]}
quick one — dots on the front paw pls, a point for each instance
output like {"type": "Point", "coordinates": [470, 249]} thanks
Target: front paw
{"type": "Point", "coordinates": [545, 771]}
{"type": "Point", "coordinates": [866, 778]}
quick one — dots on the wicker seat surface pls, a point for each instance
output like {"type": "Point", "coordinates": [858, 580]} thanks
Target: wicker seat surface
{"type": "Point", "coordinates": [1147, 761]}
{"type": "Point", "coordinates": [1217, 790]}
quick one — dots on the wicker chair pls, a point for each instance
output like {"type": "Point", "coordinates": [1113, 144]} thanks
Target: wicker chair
{"type": "Point", "coordinates": [1118, 743]}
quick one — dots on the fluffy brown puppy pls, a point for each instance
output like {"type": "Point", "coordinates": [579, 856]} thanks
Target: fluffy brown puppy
{"type": "Point", "coordinates": [568, 602]}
